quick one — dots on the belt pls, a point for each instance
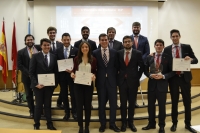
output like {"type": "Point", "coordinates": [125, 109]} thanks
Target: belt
{"type": "Point", "coordinates": [180, 75]}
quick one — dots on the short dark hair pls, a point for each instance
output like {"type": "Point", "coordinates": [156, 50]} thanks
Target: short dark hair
{"type": "Point", "coordinates": [85, 28]}
{"type": "Point", "coordinates": [51, 28]}
{"type": "Point", "coordinates": [111, 28]}
{"type": "Point", "coordinates": [44, 40]}
{"type": "Point", "coordinates": [174, 31]}
{"type": "Point", "coordinates": [136, 24]}
{"type": "Point", "coordinates": [66, 34]}
{"type": "Point", "coordinates": [102, 35]}
{"type": "Point", "coordinates": [160, 41]}
{"type": "Point", "coordinates": [28, 36]}
{"type": "Point", "coordinates": [127, 37]}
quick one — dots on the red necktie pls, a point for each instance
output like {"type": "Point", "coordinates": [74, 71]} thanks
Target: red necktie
{"type": "Point", "coordinates": [126, 59]}
{"type": "Point", "coordinates": [177, 56]}
{"type": "Point", "coordinates": [158, 61]}
{"type": "Point", "coordinates": [136, 41]}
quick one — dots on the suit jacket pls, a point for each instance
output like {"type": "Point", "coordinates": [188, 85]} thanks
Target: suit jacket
{"type": "Point", "coordinates": [133, 71]}
{"type": "Point", "coordinates": [102, 70]}
{"type": "Point", "coordinates": [58, 45]}
{"type": "Point", "coordinates": [186, 50]}
{"type": "Point", "coordinates": [92, 44]}
{"type": "Point", "coordinates": [65, 76]}
{"type": "Point", "coordinates": [161, 84]}
{"type": "Point", "coordinates": [143, 46]}
{"type": "Point", "coordinates": [117, 45]}
{"type": "Point", "coordinates": [38, 66]}
{"type": "Point", "coordinates": [23, 61]}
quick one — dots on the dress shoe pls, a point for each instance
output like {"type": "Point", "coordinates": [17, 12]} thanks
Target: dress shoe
{"type": "Point", "coordinates": [190, 129]}
{"type": "Point", "coordinates": [87, 130]}
{"type": "Point", "coordinates": [161, 130]}
{"type": "Point", "coordinates": [173, 128]}
{"type": "Point", "coordinates": [66, 117]}
{"type": "Point", "coordinates": [123, 127]}
{"type": "Point", "coordinates": [80, 130]}
{"type": "Point", "coordinates": [36, 127]}
{"type": "Point", "coordinates": [148, 127]}
{"type": "Point", "coordinates": [61, 106]}
{"type": "Point", "coordinates": [102, 129]}
{"type": "Point", "coordinates": [74, 115]}
{"type": "Point", "coordinates": [115, 128]}
{"type": "Point", "coordinates": [132, 127]}
{"type": "Point", "coordinates": [136, 105]}
{"type": "Point", "coordinates": [50, 126]}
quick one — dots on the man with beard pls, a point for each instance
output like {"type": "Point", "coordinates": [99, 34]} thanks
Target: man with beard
{"type": "Point", "coordinates": [129, 60]}
{"type": "Point", "coordinates": [23, 58]}
{"type": "Point", "coordinates": [85, 32]}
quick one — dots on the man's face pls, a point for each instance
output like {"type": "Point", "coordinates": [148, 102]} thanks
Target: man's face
{"type": "Point", "coordinates": [111, 34]}
{"type": "Point", "coordinates": [66, 41]}
{"type": "Point", "coordinates": [85, 34]}
{"type": "Point", "coordinates": [127, 43]}
{"type": "Point", "coordinates": [159, 47]}
{"type": "Point", "coordinates": [136, 30]}
{"type": "Point", "coordinates": [45, 47]}
{"type": "Point", "coordinates": [103, 41]}
{"type": "Point", "coordinates": [52, 35]}
{"type": "Point", "coordinates": [29, 41]}
{"type": "Point", "coordinates": [175, 38]}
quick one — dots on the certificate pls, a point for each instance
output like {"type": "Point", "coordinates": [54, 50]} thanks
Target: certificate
{"type": "Point", "coordinates": [83, 78]}
{"type": "Point", "coordinates": [46, 79]}
{"type": "Point", "coordinates": [180, 64]}
{"type": "Point", "coordinates": [197, 127]}
{"type": "Point", "coordinates": [65, 64]}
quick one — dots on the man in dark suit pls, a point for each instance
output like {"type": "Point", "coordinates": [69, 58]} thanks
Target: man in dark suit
{"type": "Point", "coordinates": [43, 62]}
{"type": "Point", "coordinates": [181, 80]}
{"type": "Point", "coordinates": [85, 32]}
{"type": "Point", "coordinates": [160, 66]}
{"type": "Point", "coordinates": [24, 55]}
{"type": "Point", "coordinates": [140, 43]}
{"type": "Point", "coordinates": [106, 82]}
{"type": "Point", "coordinates": [114, 44]}
{"type": "Point", "coordinates": [51, 32]}
{"type": "Point", "coordinates": [130, 70]}
{"type": "Point", "coordinates": [66, 52]}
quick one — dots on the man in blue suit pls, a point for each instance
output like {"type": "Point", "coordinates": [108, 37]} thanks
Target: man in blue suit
{"type": "Point", "coordinates": [106, 82]}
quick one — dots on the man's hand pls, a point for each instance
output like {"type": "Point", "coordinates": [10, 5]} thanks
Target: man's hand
{"type": "Point", "coordinates": [69, 71]}
{"type": "Point", "coordinates": [39, 86]}
{"type": "Point", "coordinates": [156, 76]}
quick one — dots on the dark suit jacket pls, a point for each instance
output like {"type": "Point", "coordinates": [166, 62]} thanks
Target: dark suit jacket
{"type": "Point", "coordinates": [58, 45]}
{"type": "Point", "coordinates": [134, 69]}
{"type": "Point", "coordinates": [38, 66]}
{"type": "Point", "coordinates": [23, 61]}
{"type": "Point", "coordinates": [186, 51]}
{"type": "Point", "coordinates": [161, 84]}
{"type": "Point", "coordinates": [143, 46]}
{"type": "Point", "coordinates": [117, 45]}
{"type": "Point", "coordinates": [102, 70]}
{"type": "Point", "coordinates": [65, 76]}
{"type": "Point", "coordinates": [92, 44]}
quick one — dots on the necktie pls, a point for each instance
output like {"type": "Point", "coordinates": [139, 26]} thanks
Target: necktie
{"type": "Point", "coordinates": [158, 61]}
{"type": "Point", "coordinates": [111, 44]}
{"type": "Point", "coordinates": [126, 59]}
{"type": "Point", "coordinates": [53, 48]}
{"type": "Point", "coordinates": [177, 56]}
{"type": "Point", "coordinates": [136, 41]}
{"type": "Point", "coordinates": [65, 53]}
{"type": "Point", "coordinates": [105, 57]}
{"type": "Point", "coordinates": [46, 60]}
{"type": "Point", "coordinates": [31, 52]}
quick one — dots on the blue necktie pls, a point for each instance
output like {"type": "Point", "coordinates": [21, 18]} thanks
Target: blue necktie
{"type": "Point", "coordinates": [65, 53]}
{"type": "Point", "coordinates": [105, 58]}
{"type": "Point", "coordinates": [46, 60]}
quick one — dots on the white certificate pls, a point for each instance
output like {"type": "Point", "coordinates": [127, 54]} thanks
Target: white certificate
{"type": "Point", "coordinates": [197, 127]}
{"type": "Point", "coordinates": [180, 64]}
{"type": "Point", "coordinates": [46, 79]}
{"type": "Point", "coordinates": [83, 78]}
{"type": "Point", "coordinates": [65, 64]}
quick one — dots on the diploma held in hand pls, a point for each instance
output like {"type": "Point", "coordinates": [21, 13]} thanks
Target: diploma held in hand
{"type": "Point", "coordinates": [46, 79]}
{"type": "Point", "coordinates": [65, 64]}
{"type": "Point", "coordinates": [83, 78]}
{"type": "Point", "coordinates": [180, 64]}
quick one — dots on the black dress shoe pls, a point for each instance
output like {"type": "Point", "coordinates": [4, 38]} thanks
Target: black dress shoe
{"type": "Point", "coordinates": [115, 128]}
{"type": "Point", "coordinates": [123, 127]}
{"type": "Point", "coordinates": [190, 129]}
{"type": "Point", "coordinates": [50, 126]}
{"type": "Point", "coordinates": [102, 129]}
{"type": "Point", "coordinates": [136, 105]}
{"type": "Point", "coordinates": [74, 115]}
{"type": "Point", "coordinates": [80, 130]}
{"type": "Point", "coordinates": [66, 117]}
{"type": "Point", "coordinates": [87, 130]}
{"type": "Point", "coordinates": [148, 127]}
{"type": "Point", "coordinates": [60, 106]}
{"type": "Point", "coordinates": [36, 127]}
{"type": "Point", "coordinates": [161, 130]}
{"type": "Point", "coordinates": [132, 127]}
{"type": "Point", "coordinates": [173, 128]}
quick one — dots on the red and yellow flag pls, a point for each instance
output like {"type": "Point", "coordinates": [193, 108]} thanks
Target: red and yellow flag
{"type": "Point", "coordinates": [3, 55]}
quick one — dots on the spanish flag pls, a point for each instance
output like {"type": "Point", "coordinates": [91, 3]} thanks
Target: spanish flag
{"type": "Point", "coordinates": [3, 55]}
